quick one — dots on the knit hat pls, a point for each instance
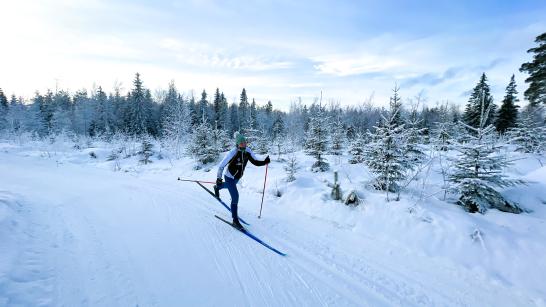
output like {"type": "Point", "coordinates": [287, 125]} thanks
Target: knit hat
{"type": "Point", "coordinates": [239, 138]}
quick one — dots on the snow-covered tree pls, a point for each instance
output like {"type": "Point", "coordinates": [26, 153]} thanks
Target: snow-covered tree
{"type": "Point", "coordinates": [3, 111]}
{"type": "Point", "coordinates": [201, 147]}
{"type": "Point", "coordinates": [262, 143]}
{"type": "Point", "coordinates": [536, 93]}
{"type": "Point", "coordinates": [291, 167]}
{"type": "Point", "coordinates": [175, 120]}
{"type": "Point", "coordinates": [15, 117]}
{"type": "Point", "coordinates": [146, 151]}
{"type": "Point", "coordinates": [508, 112]}
{"type": "Point", "coordinates": [243, 112]}
{"type": "Point", "coordinates": [480, 95]}
{"type": "Point", "coordinates": [528, 135]}
{"type": "Point", "coordinates": [338, 135]}
{"type": "Point", "coordinates": [316, 143]}
{"type": "Point", "coordinates": [385, 154]}
{"type": "Point", "coordinates": [140, 109]}
{"type": "Point", "coordinates": [478, 169]}
{"type": "Point", "coordinates": [357, 149]}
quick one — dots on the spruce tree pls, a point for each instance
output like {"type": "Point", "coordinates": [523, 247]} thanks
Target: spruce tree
{"type": "Point", "coordinates": [480, 94]}
{"type": "Point", "coordinates": [508, 111]}
{"type": "Point", "coordinates": [479, 169]}
{"type": "Point", "coordinates": [139, 109]}
{"type": "Point", "coordinates": [253, 123]}
{"type": "Point", "coordinates": [338, 135]}
{"type": "Point", "coordinates": [528, 135]}
{"type": "Point", "coordinates": [204, 108]}
{"type": "Point", "coordinates": [536, 93]}
{"type": "Point", "coordinates": [316, 143]}
{"type": "Point", "coordinates": [192, 108]}
{"type": "Point", "coordinates": [384, 155]}
{"type": "Point", "coordinates": [201, 147]}
{"type": "Point", "coordinates": [217, 109]}
{"type": "Point", "coordinates": [146, 151]}
{"type": "Point", "coordinates": [244, 112]}
{"type": "Point", "coordinates": [175, 121]}
{"type": "Point", "coordinates": [291, 167]}
{"type": "Point", "coordinates": [223, 118]}
{"type": "Point", "coordinates": [234, 118]}
{"type": "Point", "coordinates": [396, 104]}
{"type": "Point", "coordinates": [357, 149]}
{"type": "Point", "coordinates": [3, 110]}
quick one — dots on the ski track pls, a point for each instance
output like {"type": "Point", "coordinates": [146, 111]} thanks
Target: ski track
{"type": "Point", "coordinates": [155, 242]}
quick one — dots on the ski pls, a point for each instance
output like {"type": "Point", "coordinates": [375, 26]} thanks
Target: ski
{"type": "Point", "coordinates": [253, 237]}
{"type": "Point", "coordinates": [221, 202]}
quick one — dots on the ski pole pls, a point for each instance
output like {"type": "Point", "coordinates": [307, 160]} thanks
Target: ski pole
{"type": "Point", "coordinates": [263, 192]}
{"type": "Point", "coordinates": [190, 180]}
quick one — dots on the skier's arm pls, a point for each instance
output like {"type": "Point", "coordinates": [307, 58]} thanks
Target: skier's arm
{"type": "Point", "coordinates": [254, 159]}
{"type": "Point", "coordinates": [225, 161]}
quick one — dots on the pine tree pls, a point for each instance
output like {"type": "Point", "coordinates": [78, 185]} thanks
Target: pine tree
{"type": "Point", "coordinates": [357, 149]}
{"type": "Point", "coordinates": [414, 138]}
{"type": "Point", "coordinates": [316, 143]}
{"type": "Point", "coordinates": [338, 135]}
{"type": "Point", "coordinates": [262, 143]}
{"type": "Point", "coordinates": [140, 109]}
{"type": "Point", "coordinates": [278, 135]}
{"type": "Point", "coordinates": [194, 112]}
{"type": "Point", "coordinates": [479, 169]}
{"type": "Point", "coordinates": [216, 106]}
{"type": "Point", "coordinates": [480, 94]}
{"type": "Point", "coordinates": [536, 93]}
{"type": "Point", "coordinates": [234, 118]}
{"type": "Point", "coordinates": [175, 121]}
{"type": "Point", "coordinates": [223, 118]}
{"type": "Point", "coordinates": [291, 167]}
{"type": "Point", "coordinates": [396, 104]}
{"type": "Point", "coordinates": [384, 155]}
{"type": "Point", "coordinates": [3, 110]}
{"type": "Point", "coordinates": [146, 151]}
{"type": "Point", "coordinates": [508, 111]}
{"type": "Point", "coordinates": [16, 116]}
{"type": "Point", "coordinates": [253, 122]}
{"type": "Point", "coordinates": [200, 147]}
{"type": "Point", "coordinates": [528, 135]}
{"type": "Point", "coordinates": [244, 112]}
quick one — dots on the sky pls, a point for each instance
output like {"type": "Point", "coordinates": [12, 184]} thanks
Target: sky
{"type": "Point", "coordinates": [352, 51]}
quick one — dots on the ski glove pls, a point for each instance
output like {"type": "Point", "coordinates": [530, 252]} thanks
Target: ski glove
{"type": "Point", "coordinates": [218, 181]}
{"type": "Point", "coordinates": [267, 160]}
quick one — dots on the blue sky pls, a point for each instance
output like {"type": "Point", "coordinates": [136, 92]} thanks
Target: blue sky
{"type": "Point", "coordinates": [277, 50]}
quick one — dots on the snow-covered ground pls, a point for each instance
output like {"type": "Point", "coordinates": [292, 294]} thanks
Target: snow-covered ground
{"type": "Point", "coordinates": [73, 232]}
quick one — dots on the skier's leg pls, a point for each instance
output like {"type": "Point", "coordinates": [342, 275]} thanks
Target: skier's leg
{"type": "Point", "coordinates": [231, 185]}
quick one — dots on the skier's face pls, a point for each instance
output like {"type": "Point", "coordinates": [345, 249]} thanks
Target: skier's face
{"type": "Point", "coordinates": [242, 145]}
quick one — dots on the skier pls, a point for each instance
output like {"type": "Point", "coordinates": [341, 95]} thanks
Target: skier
{"type": "Point", "coordinates": [236, 160]}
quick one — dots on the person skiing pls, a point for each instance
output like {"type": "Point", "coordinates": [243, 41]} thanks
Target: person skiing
{"type": "Point", "coordinates": [236, 160]}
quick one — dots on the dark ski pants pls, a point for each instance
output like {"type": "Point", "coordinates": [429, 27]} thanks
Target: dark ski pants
{"type": "Point", "coordinates": [231, 185]}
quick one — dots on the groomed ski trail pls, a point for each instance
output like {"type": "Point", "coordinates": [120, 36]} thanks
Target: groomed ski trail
{"type": "Point", "coordinates": [101, 238]}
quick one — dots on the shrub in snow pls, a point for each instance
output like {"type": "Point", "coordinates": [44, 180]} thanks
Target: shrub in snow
{"type": "Point", "coordinates": [336, 189]}
{"type": "Point", "coordinates": [92, 155]}
{"type": "Point", "coordinates": [352, 199]}
{"type": "Point", "coordinates": [478, 171]}
{"type": "Point", "coordinates": [291, 167]}
{"type": "Point", "coordinates": [146, 152]}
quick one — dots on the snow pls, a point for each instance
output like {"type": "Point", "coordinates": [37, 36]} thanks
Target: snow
{"type": "Point", "coordinates": [73, 232]}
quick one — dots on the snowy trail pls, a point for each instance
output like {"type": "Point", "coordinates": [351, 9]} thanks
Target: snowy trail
{"type": "Point", "coordinates": [91, 237]}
